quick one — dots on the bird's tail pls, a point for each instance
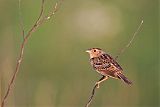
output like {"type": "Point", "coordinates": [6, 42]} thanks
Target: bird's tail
{"type": "Point", "coordinates": [125, 79]}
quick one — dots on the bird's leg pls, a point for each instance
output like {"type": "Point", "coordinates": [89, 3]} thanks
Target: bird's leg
{"type": "Point", "coordinates": [101, 80]}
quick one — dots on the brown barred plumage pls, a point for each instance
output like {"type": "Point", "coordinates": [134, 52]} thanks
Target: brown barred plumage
{"type": "Point", "coordinates": [106, 65]}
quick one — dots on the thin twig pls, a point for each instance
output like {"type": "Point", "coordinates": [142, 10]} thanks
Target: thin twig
{"type": "Point", "coordinates": [40, 20]}
{"type": "Point", "coordinates": [95, 86]}
{"type": "Point", "coordinates": [92, 95]}
{"type": "Point", "coordinates": [55, 9]}
{"type": "Point", "coordinates": [41, 12]}
{"type": "Point", "coordinates": [129, 43]}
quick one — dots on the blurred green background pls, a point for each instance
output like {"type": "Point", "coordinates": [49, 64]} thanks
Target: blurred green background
{"type": "Point", "coordinates": [56, 72]}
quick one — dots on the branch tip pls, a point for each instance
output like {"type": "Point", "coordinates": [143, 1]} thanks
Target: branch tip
{"type": "Point", "coordinates": [131, 40]}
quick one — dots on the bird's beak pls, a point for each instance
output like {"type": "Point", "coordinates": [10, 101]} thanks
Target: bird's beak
{"type": "Point", "coordinates": [87, 51]}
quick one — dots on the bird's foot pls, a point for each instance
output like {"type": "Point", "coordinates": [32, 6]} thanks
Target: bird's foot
{"type": "Point", "coordinates": [97, 84]}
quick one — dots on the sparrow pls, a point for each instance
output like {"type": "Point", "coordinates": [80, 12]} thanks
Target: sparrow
{"type": "Point", "coordinates": [107, 66]}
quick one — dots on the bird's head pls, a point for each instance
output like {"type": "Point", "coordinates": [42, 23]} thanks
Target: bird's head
{"type": "Point", "coordinates": [95, 52]}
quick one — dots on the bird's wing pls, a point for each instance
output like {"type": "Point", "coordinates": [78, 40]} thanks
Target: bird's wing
{"type": "Point", "coordinates": [106, 65]}
{"type": "Point", "coordinates": [113, 62]}
{"type": "Point", "coordinates": [113, 67]}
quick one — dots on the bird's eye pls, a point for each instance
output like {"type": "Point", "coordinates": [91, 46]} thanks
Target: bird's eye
{"type": "Point", "coordinates": [94, 50]}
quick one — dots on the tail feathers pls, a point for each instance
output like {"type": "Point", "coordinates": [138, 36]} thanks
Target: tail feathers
{"type": "Point", "coordinates": [125, 79]}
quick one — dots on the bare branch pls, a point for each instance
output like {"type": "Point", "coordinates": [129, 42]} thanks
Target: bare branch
{"type": "Point", "coordinates": [92, 95]}
{"type": "Point", "coordinates": [135, 33]}
{"type": "Point", "coordinates": [122, 50]}
{"type": "Point", "coordinates": [103, 78]}
{"type": "Point", "coordinates": [40, 20]}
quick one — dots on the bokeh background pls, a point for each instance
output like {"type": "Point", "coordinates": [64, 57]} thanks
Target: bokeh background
{"type": "Point", "coordinates": [56, 72]}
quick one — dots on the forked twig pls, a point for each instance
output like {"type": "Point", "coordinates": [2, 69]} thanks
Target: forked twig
{"type": "Point", "coordinates": [129, 43]}
{"type": "Point", "coordinates": [94, 88]}
{"type": "Point", "coordinates": [40, 20]}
